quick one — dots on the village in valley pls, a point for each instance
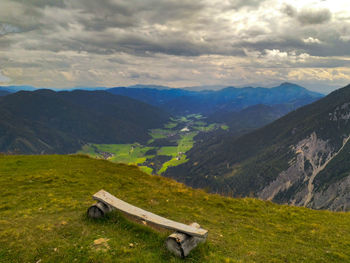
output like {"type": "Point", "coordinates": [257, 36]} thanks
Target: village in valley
{"type": "Point", "coordinates": [167, 146]}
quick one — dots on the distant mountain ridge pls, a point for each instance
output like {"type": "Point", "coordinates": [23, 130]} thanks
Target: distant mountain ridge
{"type": "Point", "coordinates": [300, 159]}
{"type": "Point", "coordinates": [45, 121]}
{"type": "Point", "coordinates": [17, 88]}
{"type": "Point", "coordinates": [203, 100]}
{"type": "Point", "coordinates": [181, 101]}
{"type": "Point", "coordinates": [4, 92]}
{"type": "Point", "coordinates": [250, 118]}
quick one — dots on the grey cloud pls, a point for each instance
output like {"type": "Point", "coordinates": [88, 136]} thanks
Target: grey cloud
{"type": "Point", "coordinates": [42, 3]}
{"type": "Point", "coordinates": [8, 29]}
{"type": "Point", "coordinates": [169, 27]}
{"type": "Point", "coordinates": [238, 4]}
{"type": "Point", "coordinates": [297, 61]}
{"type": "Point", "coordinates": [289, 10]}
{"type": "Point", "coordinates": [202, 36]}
{"type": "Point", "coordinates": [3, 78]}
{"type": "Point", "coordinates": [23, 17]}
{"type": "Point", "coordinates": [312, 17]}
{"type": "Point", "coordinates": [308, 16]}
{"type": "Point", "coordinates": [102, 14]}
{"type": "Point", "coordinates": [121, 14]}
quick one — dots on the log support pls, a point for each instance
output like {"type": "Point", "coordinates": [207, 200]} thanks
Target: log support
{"type": "Point", "coordinates": [99, 210]}
{"type": "Point", "coordinates": [181, 244]}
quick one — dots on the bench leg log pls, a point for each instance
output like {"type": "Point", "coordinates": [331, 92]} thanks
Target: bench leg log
{"type": "Point", "coordinates": [98, 210]}
{"type": "Point", "coordinates": [181, 244]}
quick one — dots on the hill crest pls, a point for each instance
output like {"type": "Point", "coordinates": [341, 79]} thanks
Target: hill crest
{"type": "Point", "coordinates": [44, 201]}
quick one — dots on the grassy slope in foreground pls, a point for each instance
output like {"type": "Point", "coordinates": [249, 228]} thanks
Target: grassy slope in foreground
{"type": "Point", "coordinates": [43, 202]}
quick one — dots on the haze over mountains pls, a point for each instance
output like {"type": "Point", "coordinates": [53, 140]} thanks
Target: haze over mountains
{"type": "Point", "coordinates": [180, 101]}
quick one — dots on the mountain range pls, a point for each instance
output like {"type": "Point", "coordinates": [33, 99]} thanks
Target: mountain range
{"type": "Point", "coordinates": [4, 92]}
{"type": "Point", "coordinates": [45, 121]}
{"type": "Point", "coordinates": [300, 159]}
{"type": "Point", "coordinates": [203, 100]}
{"type": "Point", "coordinates": [182, 101]}
{"type": "Point", "coordinates": [13, 89]}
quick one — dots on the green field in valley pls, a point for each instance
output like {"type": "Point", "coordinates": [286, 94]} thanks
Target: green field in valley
{"type": "Point", "coordinates": [179, 132]}
{"type": "Point", "coordinates": [44, 199]}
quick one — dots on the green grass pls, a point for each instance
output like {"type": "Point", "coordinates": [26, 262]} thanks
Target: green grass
{"type": "Point", "coordinates": [195, 116]}
{"type": "Point", "coordinates": [168, 150]}
{"type": "Point", "coordinates": [43, 203]}
{"type": "Point", "coordinates": [170, 125]}
{"type": "Point", "coordinates": [136, 153]}
{"type": "Point", "coordinates": [224, 127]}
{"type": "Point", "coordinates": [182, 119]}
{"type": "Point", "coordinates": [200, 123]}
{"type": "Point", "coordinates": [90, 150]}
{"type": "Point", "coordinates": [146, 169]}
{"type": "Point", "coordinates": [186, 142]}
{"type": "Point", "coordinates": [204, 128]}
{"type": "Point", "coordinates": [122, 153]}
{"type": "Point", "coordinates": [173, 162]}
{"type": "Point", "coordinates": [159, 133]}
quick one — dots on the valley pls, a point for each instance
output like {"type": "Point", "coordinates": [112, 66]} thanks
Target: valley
{"type": "Point", "coordinates": [300, 159]}
{"type": "Point", "coordinates": [166, 148]}
{"type": "Point", "coordinates": [174, 131]}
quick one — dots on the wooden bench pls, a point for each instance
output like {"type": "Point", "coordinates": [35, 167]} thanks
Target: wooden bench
{"type": "Point", "coordinates": [180, 243]}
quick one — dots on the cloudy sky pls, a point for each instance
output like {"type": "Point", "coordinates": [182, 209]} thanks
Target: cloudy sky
{"type": "Point", "coordinates": [67, 43]}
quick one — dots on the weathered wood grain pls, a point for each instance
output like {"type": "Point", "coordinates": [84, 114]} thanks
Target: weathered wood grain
{"type": "Point", "coordinates": [181, 244]}
{"type": "Point", "coordinates": [112, 201]}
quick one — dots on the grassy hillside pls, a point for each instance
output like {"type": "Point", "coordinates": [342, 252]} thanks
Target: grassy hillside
{"type": "Point", "coordinates": [43, 202]}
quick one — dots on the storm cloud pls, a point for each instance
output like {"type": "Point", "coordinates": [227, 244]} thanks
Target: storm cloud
{"type": "Point", "coordinates": [308, 16]}
{"type": "Point", "coordinates": [64, 43]}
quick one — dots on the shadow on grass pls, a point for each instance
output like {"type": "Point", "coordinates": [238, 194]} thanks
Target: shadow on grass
{"type": "Point", "coordinates": [152, 239]}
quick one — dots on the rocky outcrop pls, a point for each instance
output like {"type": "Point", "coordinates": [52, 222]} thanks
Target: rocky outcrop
{"type": "Point", "coordinates": [312, 155]}
{"type": "Point", "coordinates": [336, 197]}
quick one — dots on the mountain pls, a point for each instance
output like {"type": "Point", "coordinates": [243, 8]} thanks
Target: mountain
{"type": "Point", "coordinates": [250, 118]}
{"type": "Point", "coordinates": [300, 159]}
{"type": "Point", "coordinates": [4, 93]}
{"type": "Point", "coordinates": [43, 200]}
{"type": "Point", "coordinates": [237, 123]}
{"type": "Point", "coordinates": [45, 121]}
{"type": "Point", "coordinates": [152, 96]}
{"type": "Point", "coordinates": [83, 88]}
{"type": "Point", "coordinates": [142, 86]}
{"type": "Point", "coordinates": [206, 87]}
{"type": "Point", "coordinates": [181, 101]}
{"type": "Point", "coordinates": [17, 88]}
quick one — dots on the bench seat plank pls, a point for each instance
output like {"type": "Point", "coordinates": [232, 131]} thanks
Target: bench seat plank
{"type": "Point", "coordinates": [111, 200]}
